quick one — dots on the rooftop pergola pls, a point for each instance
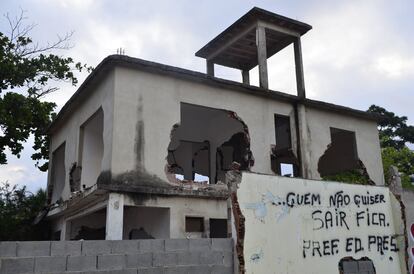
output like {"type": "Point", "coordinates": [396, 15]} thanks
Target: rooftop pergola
{"type": "Point", "coordinates": [251, 40]}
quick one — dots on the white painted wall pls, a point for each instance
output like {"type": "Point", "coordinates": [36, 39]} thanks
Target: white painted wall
{"type": "Point", "coordinates": [160, 98]}
{"type": "Point", "coordinates": [155, 100]}
{"type": "Point", "coordinates": [114, 217]}
{"type": "Point", "coordinates": [319, 137]}
{"type": "Point", "coordinates": [277, 235]}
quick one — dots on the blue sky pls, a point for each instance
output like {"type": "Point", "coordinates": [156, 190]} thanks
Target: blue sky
{"type": "Point", "coordinates": [357, 54]}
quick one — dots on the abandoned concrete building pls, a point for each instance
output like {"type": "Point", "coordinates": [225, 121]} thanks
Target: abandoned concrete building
{"type": "Point", "coordinates": [142, 149]}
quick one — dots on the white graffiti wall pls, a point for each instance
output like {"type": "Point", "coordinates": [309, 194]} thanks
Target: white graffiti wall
{"type": "Point", "coordinates": [296, 226]}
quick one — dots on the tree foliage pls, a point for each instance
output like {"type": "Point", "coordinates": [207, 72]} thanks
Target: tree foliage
{"type": "Point", "coordinates": [28, 72]}
{"type": "Point", "coordinates": [393, 130]}
{"type": "Point", "coordinates": [18, 210]}
{"type": "Point", "coordinates": [394, 135]}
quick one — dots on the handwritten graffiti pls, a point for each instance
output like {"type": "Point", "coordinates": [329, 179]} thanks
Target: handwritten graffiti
{"type": "Point", "coordinates": [333, 212]}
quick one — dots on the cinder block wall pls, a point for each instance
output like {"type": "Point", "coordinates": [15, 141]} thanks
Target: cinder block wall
{"type": "Point", "coordinates": [132, 256]}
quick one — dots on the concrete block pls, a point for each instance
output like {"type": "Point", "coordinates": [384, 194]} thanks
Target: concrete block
{"type": "Point", "coordinates": [50, 264]}
{"type": "Point", "coordinates": [211, 258]}
{"type": "Point", "coordinates": [111, 262]}
{"type": "Point", "coordinates": [176, 245]}
{"type": "Point", "coordinates": [176, 270]}
{"type": "Point", "coordinates": [17, 265]}
{"type": "Point", "coordinates": [121, 271]}
{"type": "Point", "coordinates": [228, 258]}
{"type": "Point", "coordinates": [96, 247]}
{"type": "Point", "coordinates": [81, 263]}
{"type": "Point", "coordinates": [222, 244]}
{"type": "Point", "coordinates": [164, 259]}
{"type": "Point", "coordinates": [199, 244]}
{"type": "Point", "coordinates": [199, 269]}
{"type": "Point", "coordinates": [188, 258]}
{"type": "Point", "coordinates": [8, 249]}
{"type": "Point", "coordinates": [125, 247]}
{"type": "Point", "coordinates": [28, 249]}
{"type": "Point", "coordinates": [350, 266]}
{"type": "Point", "coordinates": [139, 260]}
{"type": "Point", "coordinates": [154, 245]}
{"type": "Point", "coordinates": [220, 269]}
{"type": "Point", "coordinates": [152, 270]}
{"type": "Point", "coordinates": [66, 248]}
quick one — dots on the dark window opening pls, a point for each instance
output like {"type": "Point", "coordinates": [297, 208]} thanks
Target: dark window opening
{"type": "Point", "coordinates": [56, 235]}
{"type": "Point", "coordinates": [282, 132]}
{"type": "Point", "coordinates": [349, 265]}
{"type": "Point", "coordinates": [194, 224]}
{"type": "Point", "coordinates": [341, 154]}
{"type": "Point", "coordinates": [218, 228]}
{"type": "Point", "coordinates": [282, 159]}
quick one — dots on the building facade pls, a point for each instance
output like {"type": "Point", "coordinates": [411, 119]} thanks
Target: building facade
{"type": "Point", "coordinates": [142, 149]}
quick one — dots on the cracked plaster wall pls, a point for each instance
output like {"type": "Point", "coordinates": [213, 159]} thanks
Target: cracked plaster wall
{"type": "Point", "coordinates": [161, 98]}
{"type": "Point", "coordinates": [366, 134]}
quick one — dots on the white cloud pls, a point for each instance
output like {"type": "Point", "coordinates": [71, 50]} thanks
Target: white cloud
{"type": "Point", "coordinates": [394, 66]}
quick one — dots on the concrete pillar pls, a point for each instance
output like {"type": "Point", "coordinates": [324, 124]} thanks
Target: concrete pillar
{"type": "Point", "coordinates": [300, 82]}
{"type": "Point", "coordinates": [115, 217]}
{"type": "Point", "coordinates": [63, 233]}
{"type": "Point", "coordinates": [210, 68]}
{"type": "Point", "coordinates": [262, 56]}
{"type": "Point", "coordinates": [246, 77]}
{"type": "Point", "coordinates": [304, 144]}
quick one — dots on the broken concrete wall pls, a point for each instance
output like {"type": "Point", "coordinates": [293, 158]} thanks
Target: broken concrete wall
{"type": "Point", "coordinates": [318, 138]}
{"type": "Point", "coordinates": [100, 95]}
{"type": "Point", "coordinates": [150, 103]}
{"type": "Point", "coordinates": [295, 225]}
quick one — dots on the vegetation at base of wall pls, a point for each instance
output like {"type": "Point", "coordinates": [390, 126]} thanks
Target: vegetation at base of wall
{"type": "Point", "coordinates": [18, 210]}
{"type": "Point", "coordinates": [394, 135]}
{"type": "Point", "coordinates": [354, 176]}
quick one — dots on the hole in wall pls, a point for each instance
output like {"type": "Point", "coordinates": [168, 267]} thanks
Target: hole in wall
{"type": "Point", "coordinates": [283, 160]}
{"type": "Point", "coordinates": [340, 161]}
{"type": "Point", "coordinates": [349, 265]}
{"type": "Point", "coordinates": [207, 143]}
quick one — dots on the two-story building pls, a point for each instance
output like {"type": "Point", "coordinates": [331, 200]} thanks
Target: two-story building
{"type": "Point", "coordinates": [141, 149]}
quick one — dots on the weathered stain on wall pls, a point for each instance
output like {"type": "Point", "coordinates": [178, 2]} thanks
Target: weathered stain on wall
{"type": "Point", "coordinates": [296, 225]}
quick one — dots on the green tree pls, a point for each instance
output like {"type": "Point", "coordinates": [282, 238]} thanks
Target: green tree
{"type": "Point", "coordinates": [27, 73]}
{"type": "Point", "coordinates": [18, 210]}
{"type": "Point", "coordinates": [394, 135]}
{"type": "Point", "coordinates": [393, 130]}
